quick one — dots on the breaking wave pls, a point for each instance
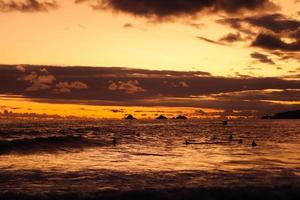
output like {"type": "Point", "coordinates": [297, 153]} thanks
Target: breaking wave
{"type": "Point", "coordinates": [46, 144]}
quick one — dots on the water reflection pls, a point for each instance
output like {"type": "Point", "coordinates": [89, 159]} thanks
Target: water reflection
{"type": "Point", "coordinates": [149, 150]}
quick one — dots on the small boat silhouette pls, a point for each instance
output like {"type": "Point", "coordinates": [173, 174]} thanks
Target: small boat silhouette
{"type": "Point", "coordinates": [114, 140]}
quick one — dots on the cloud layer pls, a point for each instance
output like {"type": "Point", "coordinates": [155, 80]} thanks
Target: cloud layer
{"type": "Point", "coordinates": [137, 87]}
{"type": "Point", "coordinates": [171, 8]}
{"type": "Point", "coordinates": [27, 5]}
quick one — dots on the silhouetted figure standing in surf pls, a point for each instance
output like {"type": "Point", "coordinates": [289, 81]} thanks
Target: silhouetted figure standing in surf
{"type": "Point", "coordinates": [114, 141]}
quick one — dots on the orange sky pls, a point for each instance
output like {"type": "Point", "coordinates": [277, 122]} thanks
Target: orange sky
{"type": "Point", "coordinates": [223, 39]}
{"type": "Point", "coordinates": [75, 34]}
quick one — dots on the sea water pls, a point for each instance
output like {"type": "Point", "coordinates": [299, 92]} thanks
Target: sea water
{"type": "Point", "coordinates": [78, 156]}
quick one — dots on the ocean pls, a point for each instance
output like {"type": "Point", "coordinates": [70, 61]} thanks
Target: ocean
{"type": "Point", "coordinates": [150, 159]}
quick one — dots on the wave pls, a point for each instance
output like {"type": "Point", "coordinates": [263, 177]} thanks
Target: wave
{"type": "Point", "coordinates": [46, 144]}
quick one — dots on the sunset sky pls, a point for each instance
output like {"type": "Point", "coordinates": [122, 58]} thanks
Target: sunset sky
{"type": "Point", "coordinates": [234, 57]}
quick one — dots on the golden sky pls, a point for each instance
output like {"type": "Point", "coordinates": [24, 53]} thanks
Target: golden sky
{"type": "Point", "coordinates": [76, 34]}
{"type": "Point", "coordinates": [231, 56]}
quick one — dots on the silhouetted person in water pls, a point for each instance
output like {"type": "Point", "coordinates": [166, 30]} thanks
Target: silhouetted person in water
{"type": "Point", "coordinates": [254, 143]}
{"type": "Point", "coordinates": [240, 141]}
{"type": "Point", "coordinates": [230, 137]}
{"type": "Point", "coordinates": [214, 137]}
{"type": "Point", "coordinates": [187, 142]}
{"type": "Point", "coordinates": [114, 141]}
{"type": "Point", "coordinates": [224, 123]}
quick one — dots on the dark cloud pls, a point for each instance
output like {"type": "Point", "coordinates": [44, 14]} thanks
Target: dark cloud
{"type": "Point", "coordinates": [225, 40]}
{"type": "Point", "coordinates": [295, 34]}
{"type": "Point", "coordinates": [137, 87]}
{"type": "Point", "coordinates": [231, 38]}
{"type": "Point", "coordinates": [237, 24]}
{"type": "Point", "coordinates": [171, 8]}
{"type": "Point", "coordinates": [210, 40]}
{"type": "Point", "coordinates": [285, 56]}
{"type": "Point", "coordinates": [276, 23]}
{"type": "Point", "coordinates": [27, 5]}
{"type": "Point", "coordinates": [128, 25]}
{"type": "Point", "coordinates": [275, 33]}
{"type": "Point", "coordinates": [262, 58]}
{"type": "Point", "coordinates": [272, 42]}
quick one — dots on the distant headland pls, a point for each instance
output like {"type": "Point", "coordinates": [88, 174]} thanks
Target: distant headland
{"type": "Point", "coordinates": [295, 114]}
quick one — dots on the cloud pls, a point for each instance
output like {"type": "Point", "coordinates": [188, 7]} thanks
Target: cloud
{"type": "Point", "coordinates": [209, 40]}
{"type": "Point", "coordinates": [237, 24]}
{"type": "Point", "coordinates": [137, 87]}
{"type": "Point", "coordinates": [295, 34]}
{"type": "Point", "coordinates": [183, 84]}
{"type": "Point", "coordinates": [275, 33]}
{"type": "Point", "coordinates": [196, 25]}
{"type": "Point", "coordinates": [231, 37]}
{"type": "Point", "coordinates": [129, 87]}
{"type": "Point", "coordinates": [225, 40]}
{"type": "Point", "coordinates": [272, 42]}
{"type": "Point", "coordinates": [66, 87]}
{"type": "Point", "coordinates": [262, 58]}
{"type": "Point", "coordinates": [27, 5]}
{"type": "Point", "coordinates": [201, 112]}
{"type": "Point", "coordinates": [128, 25]}
{"type": "Point", "coordinates": [276, 23]}
{"type": "Point", "coordinates": [261, 95]}
{"type": "Point", "coordinates": [39, 81]}
{"type": "Point", "coordinates": [117, 110]}
{"type": "Point", "coordinates": [178, 8]}
{"type": "Point", "coordinates": [21, 68]}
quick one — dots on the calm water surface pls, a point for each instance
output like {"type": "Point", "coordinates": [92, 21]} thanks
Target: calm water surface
{"type": "Point", "coordinates": [81, 156]}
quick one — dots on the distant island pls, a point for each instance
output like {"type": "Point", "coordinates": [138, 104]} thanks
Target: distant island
{"type": "Point", "coordinates": [130, 117]}
{"type": "Point", "coordinates": [161, 117]}
{"type": "Point", "coordinates": [295, 114]}
{"type": "Point", "coordinates": [181, 117]}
